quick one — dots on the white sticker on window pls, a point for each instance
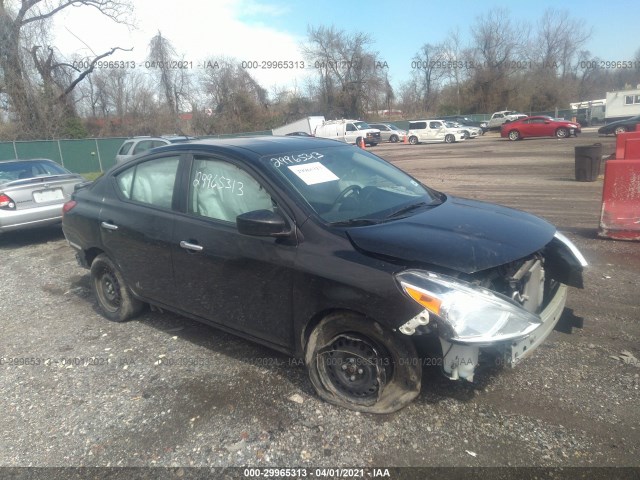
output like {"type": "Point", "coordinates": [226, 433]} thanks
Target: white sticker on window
{"type": "Point", "coordinates": [312, 173]}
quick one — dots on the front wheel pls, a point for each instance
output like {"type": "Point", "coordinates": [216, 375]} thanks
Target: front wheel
{"type": "Point", "coordinates": [413, 140]}
{"type": "Point", "coordinates": [353, 362]}
{"type": "Point", "coordinates": [393, 139]}
{"type": "Point", "coordinates": [449, 138]}
{"type": "Point", "coordinates": [562, 133]}
{"type": "Point", "coordinates": [620, 129]}
{"type": "Point", "coordinates": [115, 300]}
{"type": "Point", "coordinates": [514, 135]}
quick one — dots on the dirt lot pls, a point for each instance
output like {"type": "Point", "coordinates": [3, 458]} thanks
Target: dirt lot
{"type": "Point", "coordinates": [78, 390]}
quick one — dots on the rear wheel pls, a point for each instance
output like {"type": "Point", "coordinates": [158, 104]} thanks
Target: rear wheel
{"type": "Point", "coordinates": [620, 129]}
{"type": "Point", "coordinates": [562, 133]}
{"type": "Point", "coordinates": [115, 300]}
{"type": "Point", "coordinates": [449, 138]}
{"type": "Point", "coordinates": [514, 135]}
{"type": "Point", "coordinates": [355, 363]}
{"type": "Point", "coordinates": [413, 140]}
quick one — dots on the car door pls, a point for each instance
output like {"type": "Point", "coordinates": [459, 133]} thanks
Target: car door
{"type": "Point", "coordinates": [136, 226]}
{"type": "Point", "coordinates": [351, 133]}
{"type": "Point", "coordinates": [242, 282]}
{"type": "Point", "coordinates": [437, 131]}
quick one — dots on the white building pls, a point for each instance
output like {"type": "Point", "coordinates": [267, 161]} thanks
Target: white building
{"type": "Point", "coordinates": [623, 104]}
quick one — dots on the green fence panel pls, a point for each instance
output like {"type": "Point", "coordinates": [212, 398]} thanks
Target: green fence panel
{"type": "Point", "coordinates": [107, 149]}
{"type": "Point", "coordinates": [39, 149]}
{"type": "Point", "coordinates": [80, 156]}
{"type": "Point", "coordinates": [6, 151]}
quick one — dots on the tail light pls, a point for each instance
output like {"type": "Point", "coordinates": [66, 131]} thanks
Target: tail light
{"type": "Point", "coordinates": [68, 206]}
{"type": "Point", "coordinates": [6, 203]}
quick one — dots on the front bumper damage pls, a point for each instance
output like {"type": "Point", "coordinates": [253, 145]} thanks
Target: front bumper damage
{"type": "Point", "coordinates": [460, 360]}
{"type": "Point", "coordinates": [506, 313]}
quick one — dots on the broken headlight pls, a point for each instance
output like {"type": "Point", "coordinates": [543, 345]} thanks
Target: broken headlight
{"type": "Point", "coordinates": [471, 314]}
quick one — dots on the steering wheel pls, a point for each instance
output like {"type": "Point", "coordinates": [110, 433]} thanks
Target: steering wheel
{"type": "Point", "coordinates": [343, 194]}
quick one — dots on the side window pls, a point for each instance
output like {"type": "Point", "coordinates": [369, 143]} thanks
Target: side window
{"type": "Point", "coordinates": [142, 146]}
{"type": "Point", "coordinates": [435, 125]}
{"type": "Point", "coordinates": [124, 149]}
{"type": "Point", "coordinates": [222, 191]}
{"type": "Point", "coordinates": [350, 127]}
{"type": "Point", "coordinates": [150, 182]}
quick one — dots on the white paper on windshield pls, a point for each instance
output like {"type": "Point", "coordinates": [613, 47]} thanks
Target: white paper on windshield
{"type": "Point", "coordinates": [313, 173]}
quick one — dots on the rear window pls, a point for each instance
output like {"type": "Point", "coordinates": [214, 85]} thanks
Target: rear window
{"type": "Point", "coordinates": [10, 171]}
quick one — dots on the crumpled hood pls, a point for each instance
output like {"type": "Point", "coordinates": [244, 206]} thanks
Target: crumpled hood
{"type": "Point", "coordinates": [463, 235]}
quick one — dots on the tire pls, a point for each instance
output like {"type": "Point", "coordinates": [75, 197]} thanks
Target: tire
{"type": "Point", "coordinates": [413, 140]}
{"type": "Point", "coordinates": [467, 135]}
{"type": "Point", "coordinates": [620, 129]}
{"type": "Point", "coordinates": [115, 300]}
{"type": "Point", "coordinates": [562, 133]}
{"type": "Point", "coordinates": [355, 363]}
{"type": "Point", "coordinates": [393, 139]}
{"type": "Point", "coordinates": [449, 138]}
{"type": "Point", "coordinates": [514, 135]}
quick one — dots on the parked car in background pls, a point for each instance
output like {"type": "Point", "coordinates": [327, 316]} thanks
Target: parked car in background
{"type": "Point", "coordinates": [539, 126]}
{"type": "Point", "coordinates": [389, 132]}
{"type": "Point", "coordinates": [137, 145]}
{"type": "Point", "coordinates": [470, 132]}
{"type": "Point", "coordinates": [504, 116]}
{"type": "Point", "coordinates": [466, 121]}
{"type": "Point", "coordinates": [432, 131]}
{"type": "Point", "coordinates": [32, 193]}
{"type": "Point", "coordinates": [620, 126]}
{"type": "Point", "coordinates": [298, 134]}
{"type": "Point", "coordinates": [328, 253]}
{"type": "Point", "coordinates": [348, 131]}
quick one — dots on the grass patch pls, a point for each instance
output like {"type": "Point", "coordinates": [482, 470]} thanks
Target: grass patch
{"type": "Point", "coordinates": [91, 175]}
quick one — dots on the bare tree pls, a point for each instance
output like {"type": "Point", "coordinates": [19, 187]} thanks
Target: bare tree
{"type": "Point", "coordinates": [498, 46]}
{"type": "Point", "coordinates": [350, 75]}
{"type": "Point", "coordinates": [430, 68]}
{"type": "Point", "coordinates": [19, 53]}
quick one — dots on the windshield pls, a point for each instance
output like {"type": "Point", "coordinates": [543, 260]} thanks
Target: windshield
{"type": "Point", "coordinates": [361, 125]}
{"type": "Point", "coordinates": [342, 184]}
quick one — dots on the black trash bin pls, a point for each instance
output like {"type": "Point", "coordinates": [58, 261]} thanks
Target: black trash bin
{"type": "Point", "coordinates": [588, 160]}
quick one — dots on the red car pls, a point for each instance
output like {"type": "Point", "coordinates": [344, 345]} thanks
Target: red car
{"type": "Point", "coordinates": [539, 127]}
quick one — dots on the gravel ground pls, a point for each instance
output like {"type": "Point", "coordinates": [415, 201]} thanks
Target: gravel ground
{"type": "Point", "coordinates": [162, 390]}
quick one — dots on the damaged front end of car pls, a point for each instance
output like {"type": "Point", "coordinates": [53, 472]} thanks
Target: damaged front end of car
{"type": "Point", "coordinates": [507, 310]}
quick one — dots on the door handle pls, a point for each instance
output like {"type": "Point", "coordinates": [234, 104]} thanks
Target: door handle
{"type": "Point", "coordinates": [109, 226]}
{"type": "Point", "coordinates": [191, 246]}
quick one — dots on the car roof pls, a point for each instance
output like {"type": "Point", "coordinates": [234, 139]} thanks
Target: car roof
{"type": "Point", "coordinates": [258, 146]}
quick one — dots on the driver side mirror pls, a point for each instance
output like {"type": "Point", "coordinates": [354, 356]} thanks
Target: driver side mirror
{"type": "Point", "coordinates": [262, 223]}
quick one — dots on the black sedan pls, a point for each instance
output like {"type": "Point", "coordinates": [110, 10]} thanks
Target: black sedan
{"type": "Point", "coordinates": [326, 252]}
{"type": "Point", "coordinates": [620, 126]}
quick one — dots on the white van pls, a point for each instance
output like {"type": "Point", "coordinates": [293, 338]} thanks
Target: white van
{"type": "Point", "coordinates": [348, 131]}
{"type": "Point", "coordinates": [430, 131]}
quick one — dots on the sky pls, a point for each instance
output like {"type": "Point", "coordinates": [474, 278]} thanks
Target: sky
{"type": "Point", "coordinates": [257, 31]}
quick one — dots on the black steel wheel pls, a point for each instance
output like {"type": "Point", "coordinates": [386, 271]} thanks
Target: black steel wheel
{"type": "Point", "coordinates": [355, 363]}
{"type": "Point", "coordinates": [115, 300]}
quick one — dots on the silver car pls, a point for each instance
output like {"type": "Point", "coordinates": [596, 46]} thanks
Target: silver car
{"type": "Point", "coordinates": [32, 193]}
{"type": "Point", "coordinates": [388, 132]}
